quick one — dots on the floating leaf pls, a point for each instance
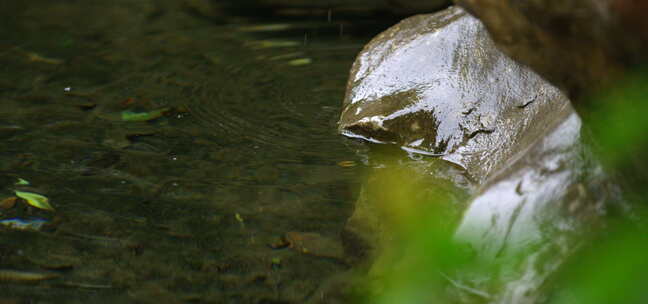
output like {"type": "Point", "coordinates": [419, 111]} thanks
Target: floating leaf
{"type": "Point", "coordinates": [39, 58]}
{"type": "Point", "coordinates": [286, 56]}
{"type": "Point", "coordinates": [347, 163]}
{"type": "Point", "coordinates": [22, 182]}
{"type": "Point", "coordinates": [17, 276]}
{"type": "Point", "coordinates": [35, 200]}
{"type": "Point", "coordinates": [239, 218]}
{"type": "Point", "coordinates": [143, 116]}
{"type": "Point", "coordinates": [264, 44]}
{"type": "Point", "coordinates": [265, 28]}
{"type": "Point", "coordinates": [300, 61]}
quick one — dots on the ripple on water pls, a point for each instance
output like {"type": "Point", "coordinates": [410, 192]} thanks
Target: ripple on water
{"type": "Point", "coordinates": [270, 105]}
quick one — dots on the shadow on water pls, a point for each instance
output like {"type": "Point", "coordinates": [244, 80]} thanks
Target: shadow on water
{"type": "Point", "coordinates": [177, 145]}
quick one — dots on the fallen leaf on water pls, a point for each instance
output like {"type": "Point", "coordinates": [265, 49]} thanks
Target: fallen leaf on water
{"type": "Point", "coordinates": [17, 276]}
{"type": "Point", "coordinates": [347, 163]}
{"type": "Point", "coordinates": [265, 28]}
{"type": "Point", "coordinates": [275, 263]}
{"type": "Point", "coordinates": [143, 116]}
{"type": "Point", "coordinates": [286, 56]}
{"type": "Point", "coordinates": [264, 44]}
{"type": "Point", "coordinates": [240, 219]}
{"type": "Point", "coordinates": [300, 62]}
{"type": "Point", "coordinates": [35, 200]}
{"type": "Point", "coordinates": [38, 58]}
{"type": "Point", "coordinates": [22, 182]}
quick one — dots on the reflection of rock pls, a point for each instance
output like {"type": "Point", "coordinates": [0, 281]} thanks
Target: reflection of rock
{"type": "Point", "coordinates": [436, 85]}
{"type": "Point", "coordinates": [372, 222]}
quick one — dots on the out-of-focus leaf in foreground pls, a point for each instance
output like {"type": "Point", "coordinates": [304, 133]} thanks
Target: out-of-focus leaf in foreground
{"type": "Point", "coordinates": [619, 120]}
{"type": "Point", "coordinates": [412, 263]}
{"type": "Point", "coordinates": [611, 270]}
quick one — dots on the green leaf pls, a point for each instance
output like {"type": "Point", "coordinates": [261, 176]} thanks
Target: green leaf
{"type": "Point", "coordinates": [35, 200]}
{"type": "Point", "coordinates": [22, 182]}
{"type": "Point", "coordinates": [300, 62]}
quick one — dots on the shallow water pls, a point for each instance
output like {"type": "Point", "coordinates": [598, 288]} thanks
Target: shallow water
{"type": "Point", "coordinates": [182, 207]}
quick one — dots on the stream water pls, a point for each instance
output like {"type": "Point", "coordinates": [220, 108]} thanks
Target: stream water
{"type": "Point", "coordinates": [175, 147]}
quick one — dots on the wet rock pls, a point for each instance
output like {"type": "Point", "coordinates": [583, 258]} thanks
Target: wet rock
{"type": "Point", "coordinates": [588, 48]}
{"type": "Point", "coordinates": [437, 85]}
{"type": "Point", "coordinates": [506, 144]}
{"type": "Point", "coordinates": [530, 218]}
{"type": "Point", "coordinates": [580, 45]}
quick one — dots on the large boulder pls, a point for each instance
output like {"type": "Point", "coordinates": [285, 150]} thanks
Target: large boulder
{"type": "Point", "coordinates": [503, 145]}
{"type": "Point", "coordinates": [439, 86]}
{"type": "Point", "coordinates": [590, 49]}
{"type": "Point", "coordinates": [532, 217]}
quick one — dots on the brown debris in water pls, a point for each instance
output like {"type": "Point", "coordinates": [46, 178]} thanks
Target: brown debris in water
{"type": "Point", "coordinates": [315, 244]}
{"type": "Point", "coordinates": [8, 203]}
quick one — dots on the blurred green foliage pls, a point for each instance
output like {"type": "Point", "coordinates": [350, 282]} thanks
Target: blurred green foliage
{"type": "Point", "coordinates": [611, 270]}
{"type": "Point", "coordinates": [610, 267]}
{"type": "Point", "coordinates": [419, 247]}
{"type": "Point", "coordinates": [619, 119]}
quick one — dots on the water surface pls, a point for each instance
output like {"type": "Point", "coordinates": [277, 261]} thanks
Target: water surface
{"type": "Point", "coordinates": [181, 207]}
